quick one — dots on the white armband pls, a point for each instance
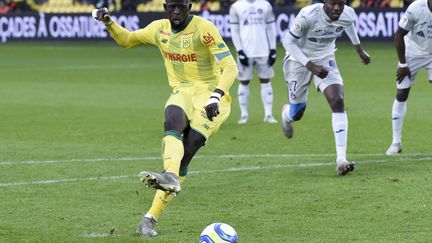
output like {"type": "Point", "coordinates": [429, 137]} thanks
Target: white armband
{"type": "Point", "coordinates": [402, 65]}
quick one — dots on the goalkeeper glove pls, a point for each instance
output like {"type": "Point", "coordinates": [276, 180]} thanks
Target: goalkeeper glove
{"type": "Point", "coordinates": [212, 106]}
{"type": "Point", "coordinates": [243, 58]}
{"type": "Point", "coordinates": [102, 14]}
{"type": "Point", "coordinates": [272, 57]}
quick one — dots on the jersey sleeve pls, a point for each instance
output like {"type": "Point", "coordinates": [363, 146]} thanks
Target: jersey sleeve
{"type": "Point", "coordinates": [270, 18]}
{"type": "Point", "coordinates": [233, 16]}
{"type": "Point", "coordinates": [271, 27]}
{"type": "Point", "coordinates": [408, 19]}
{"type": "Point", "coordinates": [211, 38]}
{"type": "Point", "coordinates": [128, 39]}
{"type": "Point", "coordinates": [300, 25]}
{"type": "Point", "coordinates": [235, 27]}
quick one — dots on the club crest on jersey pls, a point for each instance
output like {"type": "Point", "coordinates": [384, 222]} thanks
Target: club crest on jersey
{"type": "Point", "coordinates": [186, 43]}
{"type": "Point", "coordinates": [339, 29]}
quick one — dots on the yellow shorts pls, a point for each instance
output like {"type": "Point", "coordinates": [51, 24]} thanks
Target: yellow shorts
{"type": "Point", "coordinates": [192, 101]}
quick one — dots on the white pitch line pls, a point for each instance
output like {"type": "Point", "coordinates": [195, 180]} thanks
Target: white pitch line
{"type": "Point", "coordinates": [95, 235]}
{"type": "Point", "coordinates": [234, 169]}
{"type": "Point", "coordinates": [196, 157]}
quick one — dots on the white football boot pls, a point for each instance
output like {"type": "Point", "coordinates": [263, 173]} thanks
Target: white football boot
{"type": "Point", "coordinates": [243, 120]}
{"type": "Point", "coordinates": [270, 119]}
{"type": "Point", "coordinates": [287, 124]}
{"type": "Point", "coordinates": [394, 149]}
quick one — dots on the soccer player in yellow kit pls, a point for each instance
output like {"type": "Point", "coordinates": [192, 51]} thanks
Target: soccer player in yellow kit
{"type": "Point", "coordinates": [200, 70]}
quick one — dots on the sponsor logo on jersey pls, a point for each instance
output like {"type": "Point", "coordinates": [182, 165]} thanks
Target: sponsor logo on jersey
{"type": "Point", "coordinates": [180, 57]}
{"type": "Point", "coordinates": [328, 31]}
{"type": "Point", "coordinates": [163, 32]}
{"type": "Point", "coordinates": [164, 41]}
{"type": "Point", "coordinates": [204, 114]}
{"type": "Point", "coordinates": [209, 39]}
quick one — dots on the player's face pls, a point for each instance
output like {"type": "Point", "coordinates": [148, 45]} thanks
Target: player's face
{"type": "Point", "coordinates": [334, 8]}
{"type": "Point", "coordinates": [177, 11]}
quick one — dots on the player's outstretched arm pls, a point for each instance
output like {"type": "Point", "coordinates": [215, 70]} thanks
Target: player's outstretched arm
{"type": "Point", "coordinates": [122, 36]}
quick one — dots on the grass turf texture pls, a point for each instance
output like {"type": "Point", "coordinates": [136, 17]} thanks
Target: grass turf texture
{"type": "Point", "coordinates": [79, 121]}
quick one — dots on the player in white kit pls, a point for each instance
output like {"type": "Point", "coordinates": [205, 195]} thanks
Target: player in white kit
{"type": "Point", "coordinates": [253, 33]}
{"type": "Point", "coordinates": [413, 42]}
{"type": "Point", "coordinates": [310, 54]}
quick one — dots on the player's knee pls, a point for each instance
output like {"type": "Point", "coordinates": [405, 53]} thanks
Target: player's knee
{"type": "Point", "coordinates": [175, 119]}
{"type": "Point", "coordinates": [402, 95]}
{"type": "Point", "coordinates": [297, 111]}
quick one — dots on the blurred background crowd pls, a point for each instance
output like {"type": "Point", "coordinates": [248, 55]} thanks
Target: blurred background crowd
{"type": "Point", "coordinates": [80, 6]}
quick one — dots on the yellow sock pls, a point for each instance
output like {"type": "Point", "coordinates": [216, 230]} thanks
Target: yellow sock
{"type": "Point", "coordinates": [172, 151]}
{"type": "Point", "coordinates": [161, 200]}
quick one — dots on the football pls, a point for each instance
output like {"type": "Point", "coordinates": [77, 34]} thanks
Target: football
{"type": "Point", "coordinates": [218, 233]}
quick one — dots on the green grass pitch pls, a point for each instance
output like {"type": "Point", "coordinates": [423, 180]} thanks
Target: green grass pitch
{"type": "Point", "coordinates": [79, 121]}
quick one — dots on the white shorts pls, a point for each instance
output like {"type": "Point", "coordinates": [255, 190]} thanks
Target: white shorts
{"type": "Point", "coordinates": [415, 64]}
{"type": "Point", "coordinates": [264, 71]}
{"type": "Point", "coordinates": [298, 78]}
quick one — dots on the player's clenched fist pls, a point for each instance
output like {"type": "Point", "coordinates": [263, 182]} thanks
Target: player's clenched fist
{"type": "Point", "coordinates": [102, 14]}
{"type": "Point", "coordinates": [212, 106]}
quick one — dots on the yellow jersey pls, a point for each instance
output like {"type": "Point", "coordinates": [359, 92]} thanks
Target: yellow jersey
{"type": "Point", "coordinates": [193, 57]}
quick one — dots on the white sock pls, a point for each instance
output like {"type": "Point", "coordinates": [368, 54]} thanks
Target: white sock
{"type": "Point", "coordinates": [340, 130]}
{"type": "Point", "coordinates": [267, 98]}
{"type": "Point", "coordinates": [398, 115]}
{"type": "Point", "coordinates": [243, 98]}
{"type": "Point", "coordinates": [285, 113]}
{"type": "Point", "coordinates": [147, 215]}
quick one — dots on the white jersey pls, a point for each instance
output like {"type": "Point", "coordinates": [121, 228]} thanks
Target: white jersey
{"type": "Point", "coordinates": [316, 33]}
{"type": "Point", "coordinates": [251, 19]}
{"type": "Point", "coordinates": [417, 19]}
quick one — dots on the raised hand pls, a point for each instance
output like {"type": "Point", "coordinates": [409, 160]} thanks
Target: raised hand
{"type": "Point", "coordinates": [102, 14]}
